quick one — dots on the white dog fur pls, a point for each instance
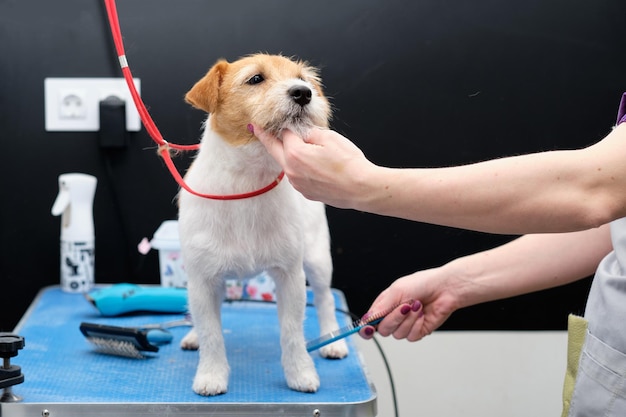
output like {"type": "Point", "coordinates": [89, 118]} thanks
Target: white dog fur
{"type": "Point", "coordinates": [280, 231]}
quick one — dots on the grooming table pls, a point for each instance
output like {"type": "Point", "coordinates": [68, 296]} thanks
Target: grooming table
{"type": "Point", "coordinates": [65, 376]}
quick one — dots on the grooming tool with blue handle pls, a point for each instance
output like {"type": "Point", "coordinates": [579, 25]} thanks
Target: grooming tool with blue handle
{"type": "Point", "coordinates": [133, 342]}
{"type": "Point", "coordinates": [333, 336]}
{"type": "Point", "coordinates": [350, 329]}
{"type": "Point", "coordinates": [129, 298]}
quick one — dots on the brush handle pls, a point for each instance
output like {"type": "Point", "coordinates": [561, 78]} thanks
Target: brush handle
{"type": "Point", "coordinates": [127, 298]}
{"type": "Point", "coordinates": [339, 334]}
{"type": "Point", "coordinates": [158, 336]}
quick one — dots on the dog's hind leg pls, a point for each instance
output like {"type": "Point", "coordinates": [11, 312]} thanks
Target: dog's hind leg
{"type": "Point", "coordinates": [298, 365]}
{"type": "Point", "coordinates": [319, 275]}
{"type": "Point", "coordinates": [205, 302]}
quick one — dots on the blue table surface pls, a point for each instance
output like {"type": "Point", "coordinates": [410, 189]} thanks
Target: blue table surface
{"type": "Point", "coordinates": [60, 365]}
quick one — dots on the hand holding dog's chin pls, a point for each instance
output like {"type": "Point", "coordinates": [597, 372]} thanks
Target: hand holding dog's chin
{"type": "Point", "coordinates": [325, 166]}
{"type": "Point", "coordinates": [272, 143]}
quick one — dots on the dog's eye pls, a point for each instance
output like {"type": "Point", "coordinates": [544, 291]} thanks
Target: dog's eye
{"type": "Point", "coordinates": [256, 79]}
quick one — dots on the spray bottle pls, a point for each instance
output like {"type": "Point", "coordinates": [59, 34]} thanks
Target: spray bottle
{"type": "Point", "coordinates": [75, 205]}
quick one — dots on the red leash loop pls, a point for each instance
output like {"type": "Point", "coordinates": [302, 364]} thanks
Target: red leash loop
{"type": "Point", "coordinates": [165, 153]}
{"type": "Point", "coordinates": [153, 131]}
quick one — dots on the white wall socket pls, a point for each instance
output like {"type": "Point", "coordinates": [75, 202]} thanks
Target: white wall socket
{"type": "Point", "coordinates": [73, 104]}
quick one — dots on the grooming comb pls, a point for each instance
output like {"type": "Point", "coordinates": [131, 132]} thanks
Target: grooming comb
{"type": "Point", "coordinates": [351, 328]}
{"type": "Point", "coordinates": [131, 342]}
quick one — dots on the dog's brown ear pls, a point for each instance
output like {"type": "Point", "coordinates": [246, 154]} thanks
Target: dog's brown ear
{"type": "Point", "coordinates": [204, 95]}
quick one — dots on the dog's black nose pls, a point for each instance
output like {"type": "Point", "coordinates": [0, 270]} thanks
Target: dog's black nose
{"type": "Point", "coordinates": [301, 94]}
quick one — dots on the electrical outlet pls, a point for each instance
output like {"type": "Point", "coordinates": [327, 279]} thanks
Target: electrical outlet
{"type": "Point", "coordinates": [73, 104]}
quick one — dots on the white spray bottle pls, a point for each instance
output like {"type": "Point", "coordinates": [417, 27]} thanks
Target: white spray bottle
{"type": "Point", "coordinates": [75, 205]}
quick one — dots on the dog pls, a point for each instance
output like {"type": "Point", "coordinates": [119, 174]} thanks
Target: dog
{"type": "Point", "coordinates": [279, 231]}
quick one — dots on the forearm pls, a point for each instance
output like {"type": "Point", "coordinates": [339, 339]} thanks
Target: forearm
{"type": "Point", "coordinates": [557, 191]}
{"type": "Point", "coordinates": [528, 264]}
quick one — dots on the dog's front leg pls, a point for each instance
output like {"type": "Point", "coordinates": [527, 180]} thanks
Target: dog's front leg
{"type": "Point", "coordinates": [297, 364]}
{"type": "Point", "coordinates": [205, 301]}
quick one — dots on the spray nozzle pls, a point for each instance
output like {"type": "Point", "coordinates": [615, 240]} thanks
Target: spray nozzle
{"type": "Point", "coordinates": [75, 203]}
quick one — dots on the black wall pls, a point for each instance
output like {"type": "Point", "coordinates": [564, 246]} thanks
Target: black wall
{"type": "Point", "coordinates": [414, 83]}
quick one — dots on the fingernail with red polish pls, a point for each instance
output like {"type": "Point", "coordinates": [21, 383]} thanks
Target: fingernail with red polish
{"type": "Point", "coordinates": [368, 331]}
{"type": "Point", "coordinates": [420, 314]}
{"type": "Point", "coordinates": [366, 316]}
{"type": "Point", "coordinates": [416, 306]}
{"type": "Point", "coordinates": [405, 309]}
{"type": "Point", "coordinates": [250, 128]}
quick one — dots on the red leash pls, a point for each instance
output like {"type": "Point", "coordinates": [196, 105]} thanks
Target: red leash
{"type": "Point", "coordinates": [165, 146]}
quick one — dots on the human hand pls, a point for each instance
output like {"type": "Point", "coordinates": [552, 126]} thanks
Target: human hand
{"type": "Point", "coordinates": [324, 166]}
{"type": "Point", "coordinates": [427, 308]}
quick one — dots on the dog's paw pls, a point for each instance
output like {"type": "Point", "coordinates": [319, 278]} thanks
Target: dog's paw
{"type": "Point", "coordinates": [305, 381]}
{"type": "Point", "coordinates": [335, 350]}
{"type": "Point", "coordinates": [190, 341]}
{"type": "Point", "coordinates": [301, 375]}
{"type": "Point", "coordinates": [210, 384]}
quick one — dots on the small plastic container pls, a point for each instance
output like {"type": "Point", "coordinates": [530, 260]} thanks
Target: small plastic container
{"type": "Point", "coordinates": [171, 265]}
{"type": "Point", "coordinates": [167, 242]}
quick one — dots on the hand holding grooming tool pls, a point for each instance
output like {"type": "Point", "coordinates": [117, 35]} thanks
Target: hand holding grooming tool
{"type": "Point", "coordinates": [351, 328]}
{"type": "Point", "coordinates": [127, 298]}
{"type": "Point", "coordinates": [132, 342]}
{"type": "Point", "coordinates": [75, 205]}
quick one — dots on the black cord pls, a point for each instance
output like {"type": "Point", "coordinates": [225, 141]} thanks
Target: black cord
{"type": "Point", "coordinates": [131, 263]}
{"type": "Point", "coordinates": [392, 385]}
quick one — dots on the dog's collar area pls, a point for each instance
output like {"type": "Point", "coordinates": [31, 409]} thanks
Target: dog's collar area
{"type": "Point", "coordinates": [164, 151]}
{"type": "Point", "coordinates": [153, 131]}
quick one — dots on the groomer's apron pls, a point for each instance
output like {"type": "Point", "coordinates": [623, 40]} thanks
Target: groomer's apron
{"type": "Point", "coordinates": [595, 383]}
